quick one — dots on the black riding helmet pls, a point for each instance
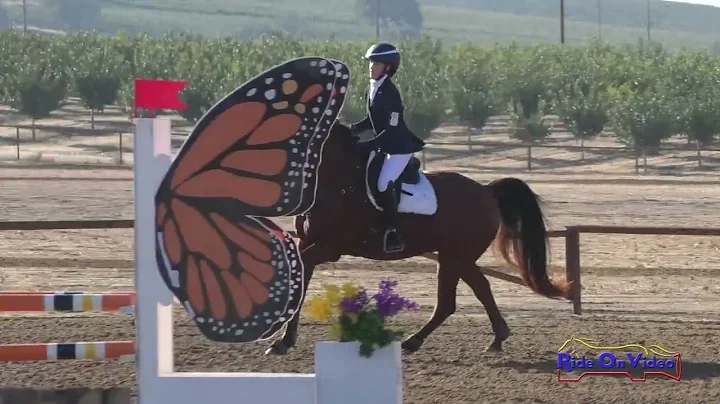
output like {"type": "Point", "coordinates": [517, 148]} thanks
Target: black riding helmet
{"type": "Point", "coordinates": [383, 52]}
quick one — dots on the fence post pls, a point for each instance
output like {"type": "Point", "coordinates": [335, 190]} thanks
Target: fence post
{"type": "Point", "coordinates": [423, 159]}
{"type": "Point", "coordinates": [120, 145]}
{"type": "Point", "coordinates": [572, 267]}
{"type": "Point", "coordinates": [529, 158]}
{"type": "Point", "coordinates": [637, 160]}
{"type": "Point", "coordinates": [469, 133]}
{"type": "Point", "coordinates": [17, 142]}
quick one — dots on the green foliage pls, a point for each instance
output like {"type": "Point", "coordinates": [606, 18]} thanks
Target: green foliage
{"type": "Point", "coordinates": [581, 97]}
{"type": "Point", "coordinates": [475, 85]}
{"type": "Point", "coordinates": [422, 82]}
{"type": "Point", "coordinates": [369, 330]}
{"type": "Point", "coordinates": [644, 92]}
{"type": "Point", "coordinates": [528, 77]}
{"type": "Point", "coordinates": [528, 127]}
{"type": "Point", "coordinates": [39, 82]}
{"type": "Point", "coordinates": [39, 93]}
{"type": "Point", "coordinates": [98, 72]}
{"type": "Point", "coordinates": [700, 119]}
{"type": "Point", "coordinates": [644, 118]}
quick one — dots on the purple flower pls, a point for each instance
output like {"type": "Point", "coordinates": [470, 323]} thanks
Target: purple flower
{"type": "Point", "coordinates": [390, 303]}
{"type": "Point", "coordinates": [356, 303]}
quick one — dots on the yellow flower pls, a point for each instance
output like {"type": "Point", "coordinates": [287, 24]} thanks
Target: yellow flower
{"type": "Point", "coordinates": [349, 290]}
{"type": "Point", "coordinates": [332, 294]}
{"type": "Point", "coordinates": [318, 308]}
{"type": "Point", "coordinates": [335, 329]}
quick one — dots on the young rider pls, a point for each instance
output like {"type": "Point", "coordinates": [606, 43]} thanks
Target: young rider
{"type": "Point", "coordinates": [392, 136]}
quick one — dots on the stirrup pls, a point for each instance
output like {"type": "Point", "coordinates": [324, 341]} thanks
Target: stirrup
{"type": "Point", "coordinates": [397, 248]}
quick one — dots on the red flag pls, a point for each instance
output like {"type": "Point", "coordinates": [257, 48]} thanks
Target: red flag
{"type": "Point", "coordinates": [159, 94]}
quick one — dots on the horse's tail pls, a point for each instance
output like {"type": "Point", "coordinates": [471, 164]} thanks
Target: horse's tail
{"type": "Point", "coordinates": [522, 240]}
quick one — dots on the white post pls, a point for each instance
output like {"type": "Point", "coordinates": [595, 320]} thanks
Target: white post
{"type": "Point", "coordinates": [154, 339]}
{"type": "Point", "coordinates": [157, 380]}
{"type": "Point", "coordinates": [343, 376]}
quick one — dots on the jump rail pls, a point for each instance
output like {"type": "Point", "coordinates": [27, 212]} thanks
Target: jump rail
{"type": "Point", "coordinates": [571, 235]}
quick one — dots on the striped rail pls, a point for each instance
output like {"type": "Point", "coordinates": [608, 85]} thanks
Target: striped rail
{"type": "Point", "coordinates": [65, 301]}
{"type": "Point", "coordinates": [68, 351]}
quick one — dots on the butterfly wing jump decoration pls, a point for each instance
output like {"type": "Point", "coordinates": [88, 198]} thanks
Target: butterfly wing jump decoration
{"type": "Point", "coordinates": [255, 154]}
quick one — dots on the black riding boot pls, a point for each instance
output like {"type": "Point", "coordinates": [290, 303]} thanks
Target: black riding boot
{"type": "Point", "coordinates": [392, 241]}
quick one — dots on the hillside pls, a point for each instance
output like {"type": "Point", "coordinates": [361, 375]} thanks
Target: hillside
{"type": "Point", "coordinates": [484, 21]}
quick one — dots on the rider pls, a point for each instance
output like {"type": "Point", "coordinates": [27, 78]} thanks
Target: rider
{"type": "Point", "coordinates": [392, 136]}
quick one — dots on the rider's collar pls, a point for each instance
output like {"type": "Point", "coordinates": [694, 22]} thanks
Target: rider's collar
{"type": "Point", "coordinates": [377, 83]}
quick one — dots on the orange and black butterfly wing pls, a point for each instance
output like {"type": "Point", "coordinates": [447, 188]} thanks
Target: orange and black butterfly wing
{"type": "Point", "coordinates": [315, 147]}
{"type": "Point", "coordinates": [249, 152]}
{"type": "Point", "coordinates": [240, 279]}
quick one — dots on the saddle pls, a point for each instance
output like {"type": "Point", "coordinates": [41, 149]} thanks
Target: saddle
{"type": "Point", "coordinates": [410, 175]}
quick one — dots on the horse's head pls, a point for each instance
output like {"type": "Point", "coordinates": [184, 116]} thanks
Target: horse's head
{"type": "Point", "coordinates": [340, 157]}
{"type": "Point", "coordinates": [342, 169]}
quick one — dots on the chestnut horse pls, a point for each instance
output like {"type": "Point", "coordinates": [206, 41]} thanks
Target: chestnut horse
{"type": "Point", "coordinates": [458, 218]}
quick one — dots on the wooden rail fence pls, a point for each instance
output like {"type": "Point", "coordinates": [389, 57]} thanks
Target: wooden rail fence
{"type": "Point", "coordinates": [638, 153]}
{"type": "Point", "coordinates": [570, 233]}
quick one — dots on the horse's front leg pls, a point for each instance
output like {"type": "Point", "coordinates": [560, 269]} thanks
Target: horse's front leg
{"type": "Point", "coordinates": [312, 256]}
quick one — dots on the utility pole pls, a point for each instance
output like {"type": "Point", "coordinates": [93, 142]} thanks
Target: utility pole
{"type": "Point", "coordinates": [377, 20]}
{"type": "Point", "coordinates": [24, 16]}
{"type": "Point", "coordinates": [562, 21]}
{"type": "Point", "coordinates": [599, 7]}
{"type": "Point", "coordinates": [648, 20]}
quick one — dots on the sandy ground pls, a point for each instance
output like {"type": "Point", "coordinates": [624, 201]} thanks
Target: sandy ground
{"type": "Point", "coordinates": [648, 289]}
{"type": "Point", "coordinates": [658, 290]}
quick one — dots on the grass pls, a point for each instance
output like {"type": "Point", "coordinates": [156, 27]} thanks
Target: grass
{"type": "Point", "coordinates": [312, 18]}
{"type": "Point", "coordinates": [321, 19]}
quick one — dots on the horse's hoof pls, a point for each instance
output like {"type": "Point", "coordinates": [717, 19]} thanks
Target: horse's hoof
{"type": "Point", "coordinates": [277, 348]}
{"type": "Point", "coordinates": [496, 346]}
{"type": "Point", "coordinates": [412, 344]}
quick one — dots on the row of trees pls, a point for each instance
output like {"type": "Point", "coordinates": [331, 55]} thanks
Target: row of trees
{"type": "Point", "coordinates": [643, 93]}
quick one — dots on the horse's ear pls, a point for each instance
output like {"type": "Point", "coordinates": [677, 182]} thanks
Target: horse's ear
{"type": "Point", "coordinates": [342, 125]}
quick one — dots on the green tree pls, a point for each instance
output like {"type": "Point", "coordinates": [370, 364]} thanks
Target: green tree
{"type": "Point", "coordinates": [97, 77]}
{"type": "Point", "coordinates": [39, 91]}
{"type": "Point", "coordinates": [644, 118]}
{"type": "Point", "coordinates": [475, 85]}
{"type": "Point", "coordinates": [422, 84]}
{"type": "Point", "coordinates": [528, 78]}
{"type": "Point", "coordinates": [528, 127]}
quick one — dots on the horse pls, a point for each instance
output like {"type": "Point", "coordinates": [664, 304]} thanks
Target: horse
{"type": "Point", "coordinates": [443, 211]}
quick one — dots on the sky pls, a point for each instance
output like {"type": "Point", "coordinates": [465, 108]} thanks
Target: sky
{"type": "Point", "coordinates": [715, 3]}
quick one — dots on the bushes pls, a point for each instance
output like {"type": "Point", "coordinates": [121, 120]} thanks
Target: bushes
{"type": "Point", "coordinates": [645, 93]}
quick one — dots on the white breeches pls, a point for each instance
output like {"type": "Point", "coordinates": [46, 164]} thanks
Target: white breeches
{"type": "Point", "coordinates": [392, 167]}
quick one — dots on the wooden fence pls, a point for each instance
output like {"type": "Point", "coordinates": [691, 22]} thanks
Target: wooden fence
{"type": "Point", "coordinates": [639, 154]}
{"type": "Point", "coordinates": [571, 235]}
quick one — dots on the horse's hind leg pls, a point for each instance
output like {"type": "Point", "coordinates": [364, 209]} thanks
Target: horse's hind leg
{"type": "Point", "coordinates": [447, 280]}
{"type": "Point", "coordinates": [479, 284]}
